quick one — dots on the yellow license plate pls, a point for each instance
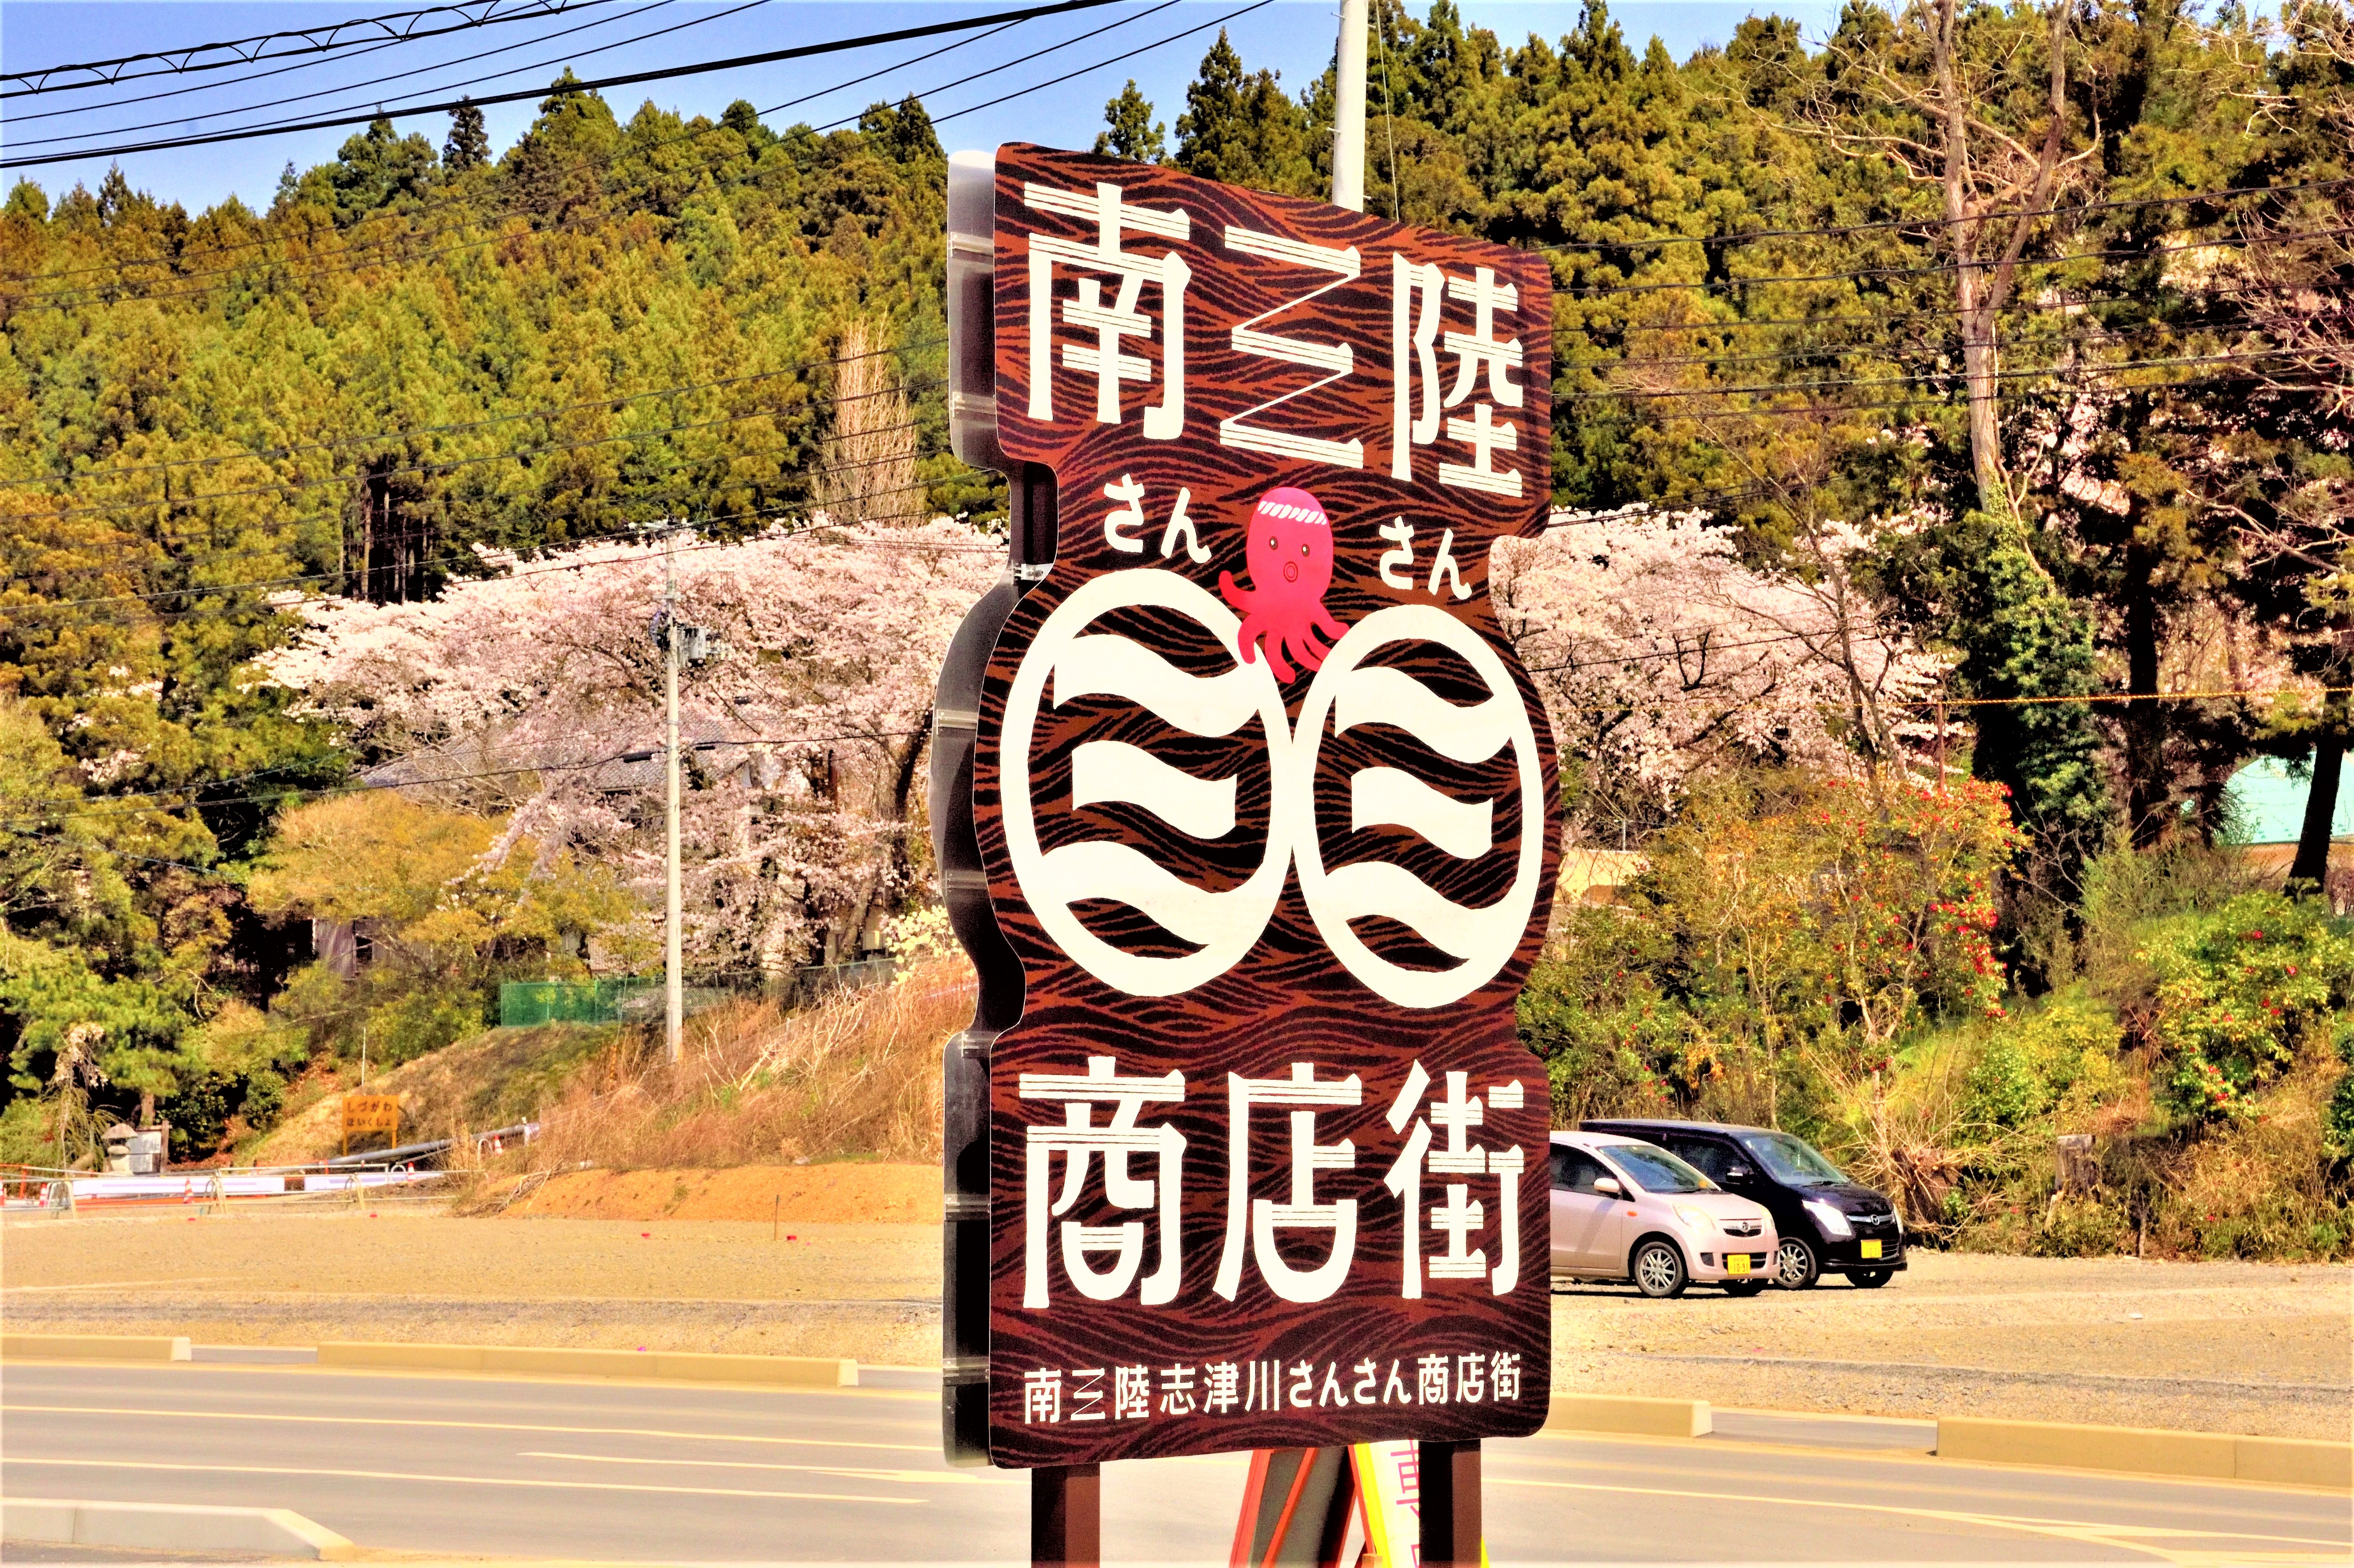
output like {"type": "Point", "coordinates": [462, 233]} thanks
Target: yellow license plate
{"type": "Point", "coordinates": [1736, 1262]}
{"type": "Point", "coordinates": [1871, 1249]}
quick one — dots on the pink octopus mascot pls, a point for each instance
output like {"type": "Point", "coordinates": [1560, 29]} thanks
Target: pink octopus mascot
{"type": "Point", "coordinates": [1289, 558]}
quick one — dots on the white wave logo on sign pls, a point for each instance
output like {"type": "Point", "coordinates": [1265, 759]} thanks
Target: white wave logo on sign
{"type": "Point", "coordinates": [1224, 926]}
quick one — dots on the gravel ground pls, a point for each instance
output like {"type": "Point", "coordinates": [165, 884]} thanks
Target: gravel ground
{"type": "Point", "coordinates": [2216, 1347]}
{"type": "Point", "coordinates": [2221, 1347]}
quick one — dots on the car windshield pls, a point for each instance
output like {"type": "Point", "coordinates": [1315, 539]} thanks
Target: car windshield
{"type": "Point", "coordinates": [1656, 1169]}
{"type": "Point", "coordinates": [1787, 1160]}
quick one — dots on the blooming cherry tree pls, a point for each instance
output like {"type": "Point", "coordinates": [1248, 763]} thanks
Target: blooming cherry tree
{"type": "Point", "coordinates": [537, 691]}
{"type": "Point", "coordinates": [1660, 654]}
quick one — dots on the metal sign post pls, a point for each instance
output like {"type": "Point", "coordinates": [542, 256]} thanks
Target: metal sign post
{"type": "Point", "coordinates": [1247, 816]}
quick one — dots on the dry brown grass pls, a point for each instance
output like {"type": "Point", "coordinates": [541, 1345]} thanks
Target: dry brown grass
{"type": "Point", "coordinates": [857, 1077]}
{"type": "Point", "coordinates": [2261, 1189]}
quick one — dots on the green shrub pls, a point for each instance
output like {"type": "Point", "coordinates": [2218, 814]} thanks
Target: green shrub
{"type": "Point", "coordinates": [2056, 1059]}
{"type": "Point", "coordinates": [2004, 1090]}
{"type": "Point", "coordinates": [2082, 1227]}
{"type": "Point", "coordinates": [25, 1134]}
{"type": "Point", "coordinates": [199, 1112]}
{"type": "Point", "coordinates": [1591, 1012]}
{"type": "Point", "coordinates": [2129, 894]}
{"type": "Point", "coordinates": [416, 1021]}
{"type": "Point", "coordinates": [265, 1098]}
{"type": "Point", "coordinates": [2238, 992]}
{"type": "Point", "coordinates": [2338, 1119]}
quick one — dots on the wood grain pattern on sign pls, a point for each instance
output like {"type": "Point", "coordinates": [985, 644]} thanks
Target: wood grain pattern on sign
{"type": "Point", "coordinates": [1268, 810]}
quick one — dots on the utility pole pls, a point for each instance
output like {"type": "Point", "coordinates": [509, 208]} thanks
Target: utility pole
{"type": "Point", "coordinates": [673, 994]}
{"type": "Point", "coordinates": [1349, 109]}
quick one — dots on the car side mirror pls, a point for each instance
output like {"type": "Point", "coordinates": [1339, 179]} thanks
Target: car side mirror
{"type": "Point", "coordinates": [1607, 1184]}
{"type": "Point", "coordinates": [1737, 1173]}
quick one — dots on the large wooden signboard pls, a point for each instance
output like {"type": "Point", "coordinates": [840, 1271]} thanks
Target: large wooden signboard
{"type": "Point", "coordinates": [1265, 809]}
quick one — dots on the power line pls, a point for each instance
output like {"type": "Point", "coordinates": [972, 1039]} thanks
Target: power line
{"type": "Point", "coordinates": [637, 498]}
{"type": "Point", "coordinates": [538, 65]}
{"type": "Point", "coordinates": [1833, 409]}
{"type": "Point", "coordinates": [1916, 404]}
{"type": "Point", "coordinates": [345, 86]}
{"type": "Point", "coordinates": [1763, 389]}
{"type": "Point", "coordinates": [384, 215]}
{"type": "Point", "coordinates": [320, 268]}
{"type": "Point", "coordinates": [2088, 368]}
{"type": "Point", "coordinates": [667, 73]}
{"type": "Point", "coordinates": [816, 363]}
{"type": "Point", "coordinates": [2217, 192]}
{"type": "Point", "coordinates": [2222, 694]}
{"type": "Point", "coordinates": [1742, 324]}
{"type": "Point", "coordinates": [1115, 59]}
{"type": "Point", "coordinates": [1605, 291]}
{"type": "Point", "coordinates": [1681, 700]}
{"type": "Point", "coordinates": [1639, 655]}
{"type": "Point", "coordinates": [47, 606]}
{"type": "Point", "coordinates": [444, 87]}
{"type": "Point", "coordinates": [324, 791]}
{"type": "Point", "coordinates": [617, 401]}
{"type": "Point", "coordinates": [856, 80]}
{"type": "Point", "coordinates": [2028, 307]}
{"type": "Point", "coordinates": [445, 465]}
{"type": "Point", "coordinates": [1754, 235]}
{"type": "Point", "coordinates": [1599, 291]}
{"type": "Point", "coordinates": [233, 82]}
{"type": "Point", "coordinates": [1021, 60]}
{"type": "Point", "coordinates": [317, 40]}
{"type": "Point", "coordinates": [1847, 350]}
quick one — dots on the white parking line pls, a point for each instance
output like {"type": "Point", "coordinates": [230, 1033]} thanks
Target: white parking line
{"type": "Point", "coordinates": [472, 1426]}
{"type": "Point", "coordinates": [462, 1480]}
{"type": "Point", "coordinates": [849, 1473]}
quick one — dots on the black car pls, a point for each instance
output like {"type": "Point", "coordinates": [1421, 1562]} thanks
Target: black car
{"type": "Point", "coordinates": [1827, 1223]}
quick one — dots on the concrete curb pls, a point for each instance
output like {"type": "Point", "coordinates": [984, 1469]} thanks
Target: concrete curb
{"type": "Point", "coordinates": [172, 1527]}
{"type": "Point", "coordinates": [1640, 1417]}
{"type": "Point", "coordinates": [91, 1348]}
{"type": "Point", "coordinates": [786, 1372]}
{"type": "Point", "coordinates": [2209, 1456]}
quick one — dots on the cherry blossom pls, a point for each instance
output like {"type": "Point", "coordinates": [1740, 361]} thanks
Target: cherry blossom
{"type": "Point", "coordinates": [536, 692]}
{"type": "Point", "coordinates": [1659, 653]}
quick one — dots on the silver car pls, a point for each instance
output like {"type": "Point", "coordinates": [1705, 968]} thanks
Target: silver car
{"type": "Point", "coordinates": [1625, 1210]}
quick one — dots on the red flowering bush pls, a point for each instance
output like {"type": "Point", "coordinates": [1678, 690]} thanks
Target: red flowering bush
{"type": "Point", "coordinates": [1837, 909]}
{"type": "Point", "coordinates": [2239, 990]}
{"type": "Point", "coordinates": [1783, 914]}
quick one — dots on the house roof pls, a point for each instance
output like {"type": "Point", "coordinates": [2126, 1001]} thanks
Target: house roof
{"type": "Point", "coordinates": [2266, 800]}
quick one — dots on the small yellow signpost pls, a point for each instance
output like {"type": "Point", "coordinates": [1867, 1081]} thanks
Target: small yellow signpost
{"type": "Point", "coordinates": [371, 1112]}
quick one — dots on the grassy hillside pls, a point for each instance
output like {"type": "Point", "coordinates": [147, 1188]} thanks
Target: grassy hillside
{"type": "Point", "coordinates": [496, 1078]}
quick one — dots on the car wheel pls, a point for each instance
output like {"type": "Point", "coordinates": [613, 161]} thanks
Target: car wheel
{"type": "Point", "coordinates": [1796, 1266]}
{"type": "Point", "coordinates": [1870, 1278]}
{"type": "Point", "coordinates": [1744, 1287]}
{"type": "Point", "coordinates": [1659, 1269]}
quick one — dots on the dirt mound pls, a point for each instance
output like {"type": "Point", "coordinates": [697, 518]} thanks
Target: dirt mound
{"type": "Point", "coordinates": [814, 1194]}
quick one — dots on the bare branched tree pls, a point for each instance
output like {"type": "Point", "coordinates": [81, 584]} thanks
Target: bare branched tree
{"type": "Point", "coordinates": [1931, 96]}
{"type": "Point", "coordinates": [869, 470]}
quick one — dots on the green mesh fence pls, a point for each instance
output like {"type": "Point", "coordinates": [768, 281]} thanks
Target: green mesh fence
{"type": "Point", "coordinates": [574, 1001]}
{"type": "Point", "coordinates": [639, 999]}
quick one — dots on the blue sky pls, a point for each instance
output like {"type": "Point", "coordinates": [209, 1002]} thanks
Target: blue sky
{"type": "Point", "coordinates": [1294, 37]}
